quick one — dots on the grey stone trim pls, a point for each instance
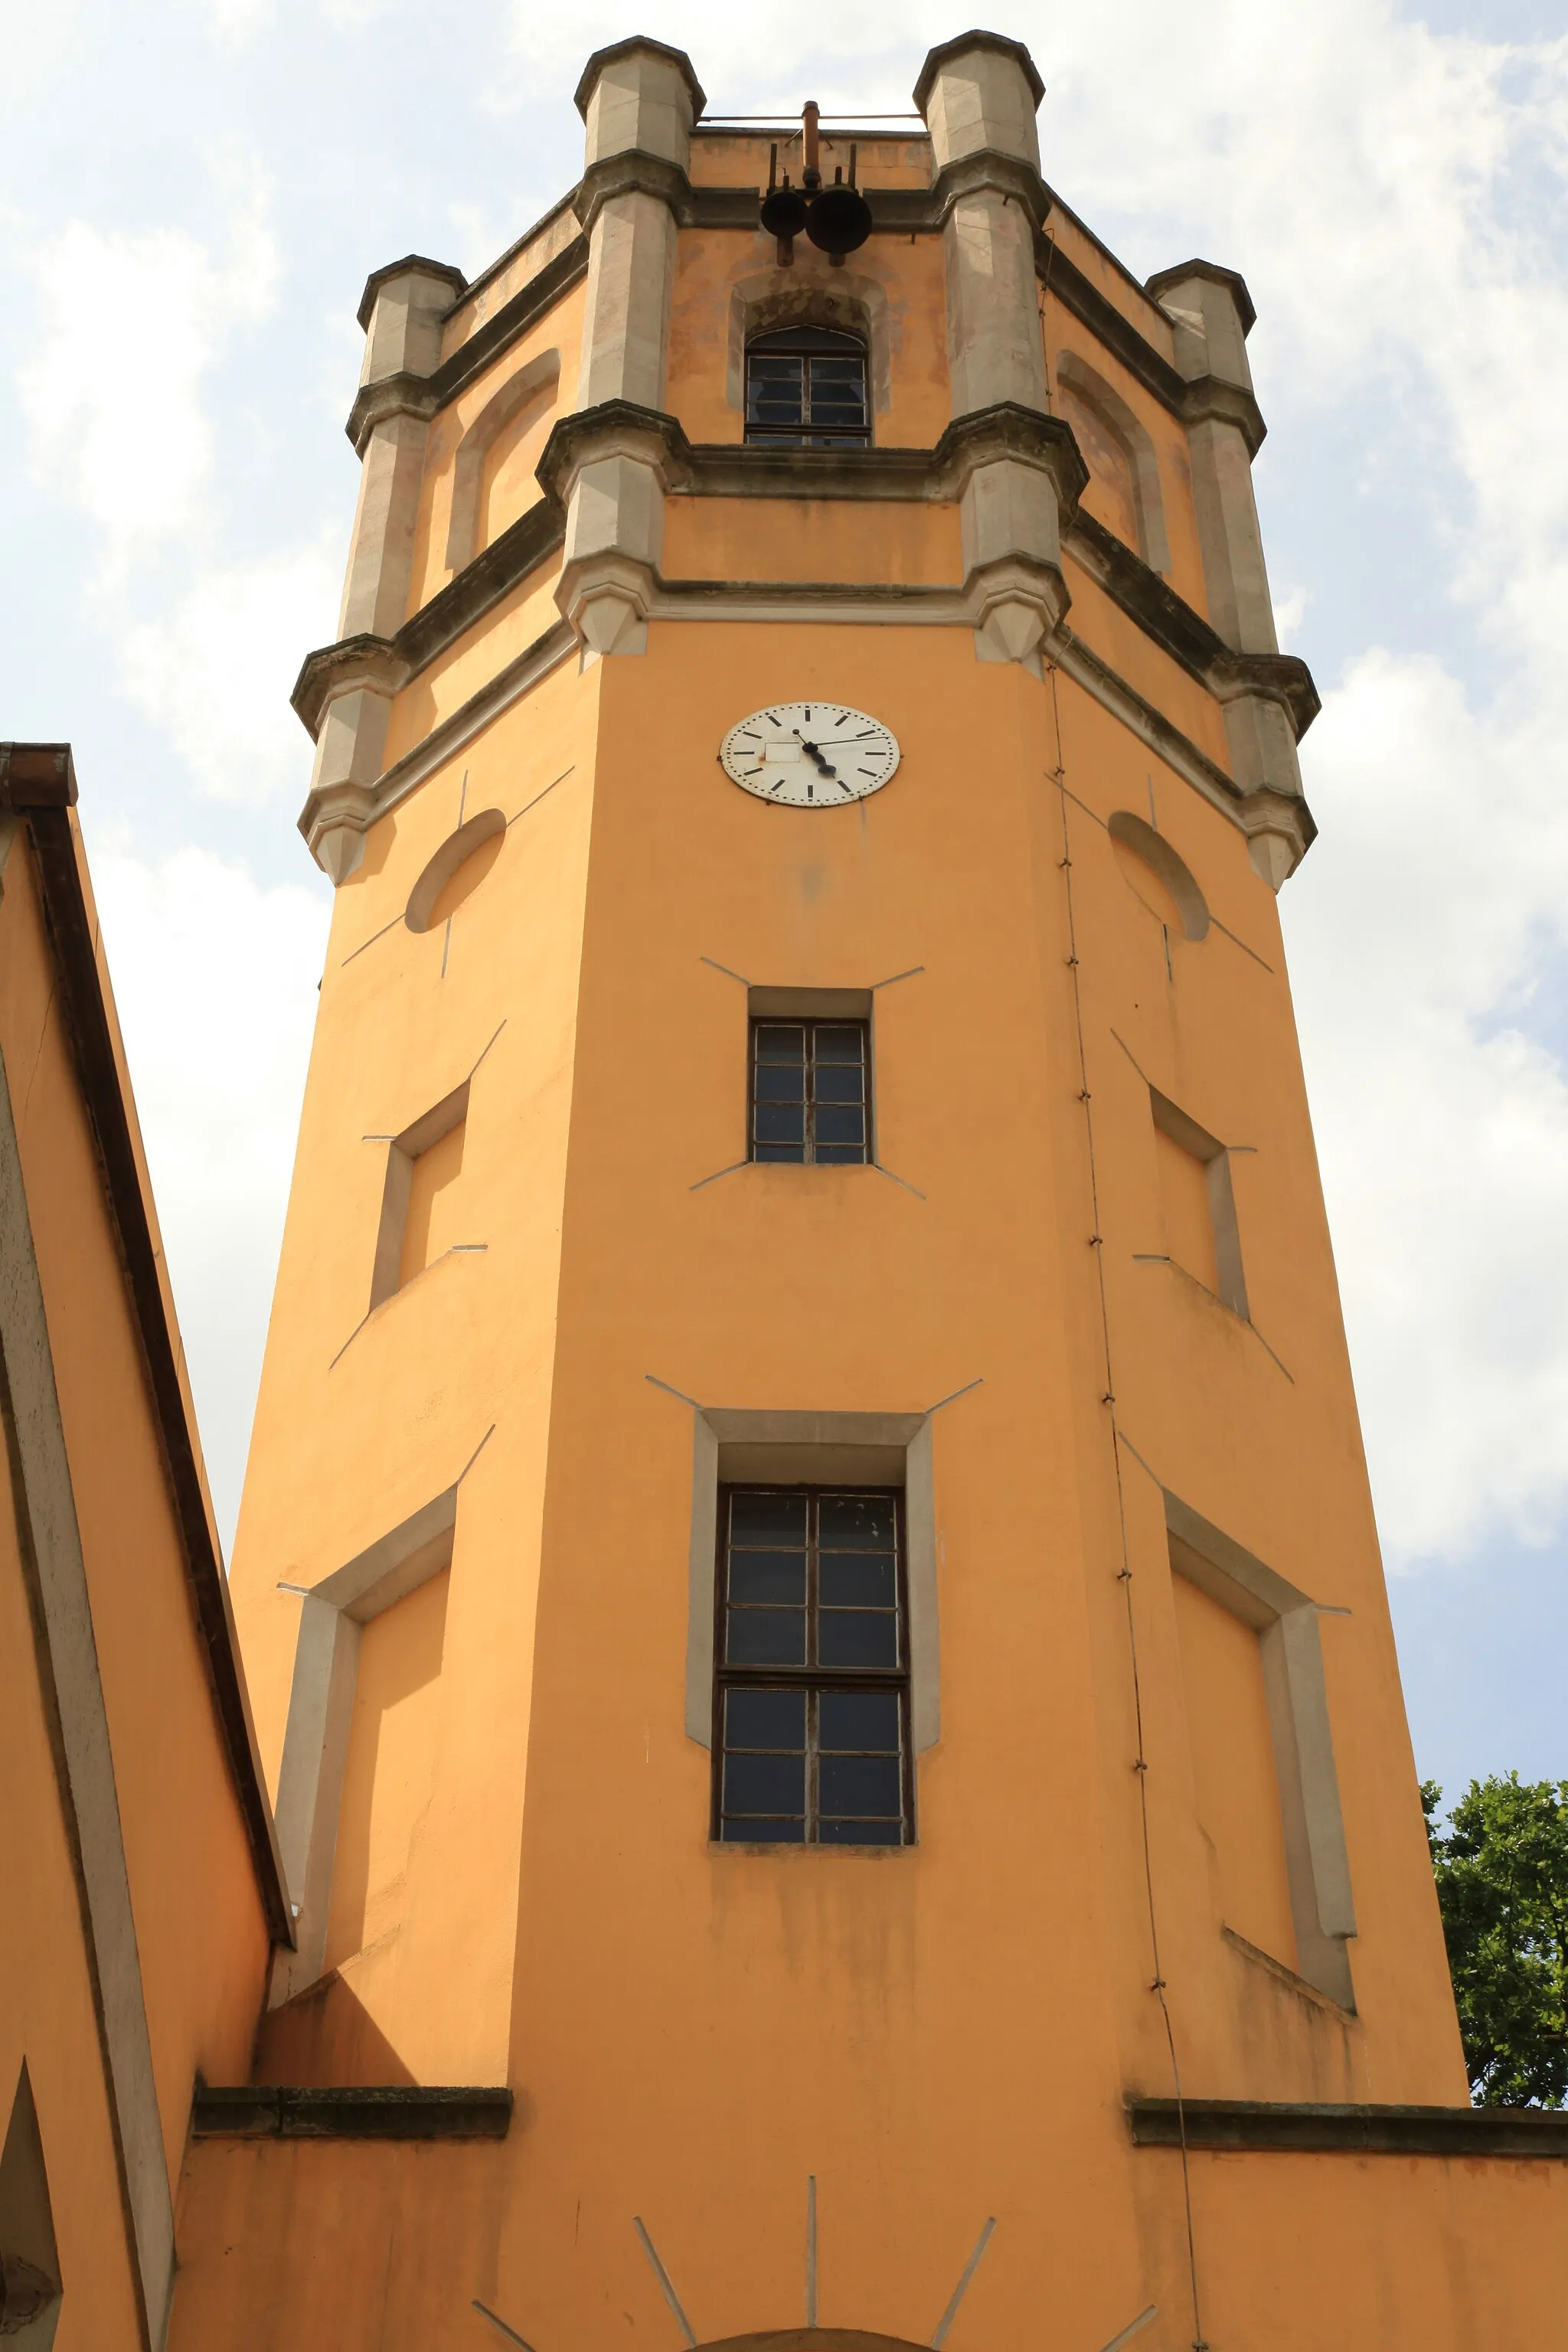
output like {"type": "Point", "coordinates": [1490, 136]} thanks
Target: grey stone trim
{"type": "Point", "coordinates": [425, 395]}
{"type": "Point", "coordinates": [1204, 397]}
{"type": "Point", "coordinates": [988, 167]}
{"type": "Point", "coordinates": [632, 173]}
{"type": "Point", "coordinates": [1292, 2127]}
{"type": "Point", "coordinates": [960, 47]}
{"type": "Point", "coordinates": [394, 2111]}
{"type": "Point", "coordinates": [601, 57]}
{"type": "Point", "coordinates": [378, 279]}
{"type": "Point", "coordinates": [48, 1542]}
{"type": "Point", "coordinates": [1209, 398]}
{"type": "Point", "coordinates": [871, 1448]}
{"type": "Point", "coordinates": [1285, 1620]}
{"type": "Point", "coordinates": [388, 663]}
{"type": "Point", "coordinates": [1163, 279]}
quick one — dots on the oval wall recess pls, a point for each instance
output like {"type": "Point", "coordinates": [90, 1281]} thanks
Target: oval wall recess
{"type": "Point", "coordinates": [1162, 880]}
{"type": "Point", "coordinates": [455, 871]}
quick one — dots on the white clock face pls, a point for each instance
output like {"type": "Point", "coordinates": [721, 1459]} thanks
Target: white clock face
{"type": "Point", "coordinates": [809, 755]}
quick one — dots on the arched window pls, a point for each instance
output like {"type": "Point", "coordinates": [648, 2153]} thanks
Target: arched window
{"type": "Point", "coordinates": [805, 388]}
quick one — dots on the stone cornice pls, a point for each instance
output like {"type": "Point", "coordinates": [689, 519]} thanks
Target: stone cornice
{"type": "Point", "coordinates": [601, 57]}
{"type": "Point", "coordinates": [425, 397]}
{"type": "Point", "coordinates": [1209, 396]}
{"type": "Point", "coordinates": [378, 279]}
{"type": "Point", "coordinates": [960, 47]}
{"type": "Point", "coordinates": [413, 2111]}
{"type": "Point", "coordinates": [633, 172]}
{"type": "Point", "coordinates": [988, 167]}
{"type": "Point", "coordinates": [1156, 287]}
{"type": "Point", "coordinates": [1534, 2134]}
{"type": "Point", "coordinates": [387, 664]}
{"type": "Point", "coordinates": [1183, 633]}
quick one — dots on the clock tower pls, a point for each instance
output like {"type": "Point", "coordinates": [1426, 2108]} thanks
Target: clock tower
{"type": "Point", "coordinates": [806, 1572]}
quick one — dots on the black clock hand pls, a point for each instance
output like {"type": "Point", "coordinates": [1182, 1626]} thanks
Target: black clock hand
{"type": "Point", "coordinates": [815, 754]}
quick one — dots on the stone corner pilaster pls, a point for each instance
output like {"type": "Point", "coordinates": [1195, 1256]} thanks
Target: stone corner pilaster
{"type": "Point", "coordinates": [982, 90]}
{"type": "Point", "coordinates": [639, 93]}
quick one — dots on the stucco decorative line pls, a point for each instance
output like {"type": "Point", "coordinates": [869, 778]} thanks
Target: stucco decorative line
{"type": "Point", "coordinates": [893, 1179]}
{"type": "Point", "coordinates": [953, 1394]}
{"type": "Point", "coordinates": [549, 788]}
{"type": "Point", "coordinates": [734, 1168]}
{"type": "Point", "coordinates": [513, 2337]}
{"type": "Point", "coordinates": [940, 2335]}
{"type": "Point", "coordinates": [663, 2277]}
{"type": "Point", "coordinates": [1140, 1766]}
{"type": "Point", "coordinates": [714, 965]}
{"type": "Point", "coordinates": [894, 977]}
{"type": "Point", "coordinates": [386, 926]}
{"type": "Point", "coordinates": [1161, 1257]}
{"type": "Point", "coordinates": [1128, 2332]}
{"type": "Point", "coordinates": [1238, 942]}
{"type": "Point", "coordinates": [654, 1381]}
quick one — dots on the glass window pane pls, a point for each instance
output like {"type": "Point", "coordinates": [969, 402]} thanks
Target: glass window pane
{"type": "Point", "coordinates": [774, 1576]}
{"type": "Point", "coordinates": [792, 1153]}
{"type": "Point", "coordinates": [766, 1512]}
{"type": "Point", "coordinates": [780, 1045]}
{"type": "Point", "coordinates": [840, 1123]}
{"type": "Point", "coordinates": [832, 1082]}
{"type": "Point", "coordinates": [761, 1831]}
{"type": "Point", "coordinates": [831, 1833]}
{"type": "Point", "coordinates": [781, 1122]}
{"type": "Point", "coordinates": [838, 1155]}
{"type": "Point", "coordinates": [837, 1044]}
{"type": "Point", "coordinates": [848, 1784]}
{"type": "Point", "coordinates": [776, 1718]}
{"type": "Point", "coordinates": [857, 1637]}
{"type": "Point", "coordinates": [849, 1579]}
{"type": "Point", "coordinates": [857, 1522]}
{"type": "Point", "coordinates": [776, 1784]}
{"type": "Point", "coordinates": [784, 1082]}
{"type": "Point", "coordinates": [765, 1637]}
{"type": "Point", "coordinates": [856, 1719]}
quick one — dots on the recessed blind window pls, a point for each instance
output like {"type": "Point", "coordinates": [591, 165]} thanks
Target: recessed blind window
{"type": "Point", "coordinates": [811, 1743]}
{"type": "Point", "coordinates": [806, 387]}
{"type": "Point", "coordinates": [809, 1095]}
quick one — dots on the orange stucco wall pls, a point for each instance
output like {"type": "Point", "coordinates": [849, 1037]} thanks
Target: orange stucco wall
{"type": "Point", "coordinates": [201, 1938]}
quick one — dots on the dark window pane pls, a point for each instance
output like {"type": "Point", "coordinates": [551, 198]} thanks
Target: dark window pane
{"type": "Point", "coordinates": [856, 1833]}
{"type": "Point", "coordinates": [837, 1044]}
{"type": "Point", "coordinates": [776, 1784]}
{"type": "Point", "coordinates": [857, 1522]}
{"type": "Point", "coordinates": [757, 1511]}
{"type": "Point", "coordinates": [780, 1045]}
{"type": "Point", "coordinates": [781, 1123]}
{"type": "Point", "coordinates": [857, 1637]}
{"type": "Point", "coordinates": [847, 1580]}
{"type": "Point", "coordinates": [793, 1153]}
{"type": "Point", "coordinates": [774, 1576]}
{"type": "Point", "coordinates": [757, 1831]}
{"type": "Point", "coordinates": [835, 1083]}
{"type": "Point", "coordinates": [856, 1719]}
{"type": "Point", "coordinates": [766, 1637]}
{"type": "Point", "coordinates": [774, 1718]}
{"type": "Point", "coordinates": [840, 1123]}
{"type": "Point", "coordinates": [846, 1784]}
{"type": "Point", "coordinates": [839, 1155]}
{"type": "Point", "coordinates": [784, 1082]}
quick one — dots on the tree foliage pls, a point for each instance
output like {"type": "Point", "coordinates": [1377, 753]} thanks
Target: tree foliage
{"type": "Point", "coordinates": [1503, 1885]}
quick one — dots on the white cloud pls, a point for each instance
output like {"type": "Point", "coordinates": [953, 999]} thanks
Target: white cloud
{"type": "Point", "coordinates": [114, 396]}
{"type": "Point", "coordinates": [215, 983]}
{"type": "Point", "coordinates": [215, 673]}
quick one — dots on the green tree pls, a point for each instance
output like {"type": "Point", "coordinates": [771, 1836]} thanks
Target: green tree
{"type": "Point", "coordinates": [1503, 1885]}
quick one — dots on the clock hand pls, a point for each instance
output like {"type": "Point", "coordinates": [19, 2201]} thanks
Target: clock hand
{"type": "Point", "coordinates": [812, 749]}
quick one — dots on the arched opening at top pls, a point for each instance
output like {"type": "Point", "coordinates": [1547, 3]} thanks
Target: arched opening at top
{"type": "Point", "coordinates": [493, 466]}
{"type": "Point", "coordinates": [1123, 490]}
{"type": "Point", "coordinates": [805, 389]}
{"type": "Point", "coordinates": [1163, 880]}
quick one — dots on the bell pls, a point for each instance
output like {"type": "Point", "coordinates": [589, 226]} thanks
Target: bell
{"type": "Point", "coordinates": [784, 210]}
{"type": "Point", "coordinates": [838, 220]}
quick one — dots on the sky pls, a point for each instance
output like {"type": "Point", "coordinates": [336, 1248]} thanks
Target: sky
{"type": "Point", "coordinates": [192, 194]}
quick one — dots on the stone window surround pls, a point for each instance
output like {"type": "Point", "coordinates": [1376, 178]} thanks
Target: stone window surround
{"type": "Point", "coordinates": [1285, 1620]}
{"type": "Point", "coordinates": [854, 1449]}
{"type": "Point", "coordinates": [766, 299]}
{"type": "Point", "coordinates": [1214, 1158]}
{"type": "Point", "coordinates": [536, 384]}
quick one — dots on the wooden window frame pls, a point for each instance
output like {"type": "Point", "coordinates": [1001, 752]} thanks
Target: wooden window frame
{"type": "Point", "coordinates": [810, 1022]}
{"type": "Point", "coordinates": [812, 1679]}
{"type": "Point", "coordinates": [832, 343]}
